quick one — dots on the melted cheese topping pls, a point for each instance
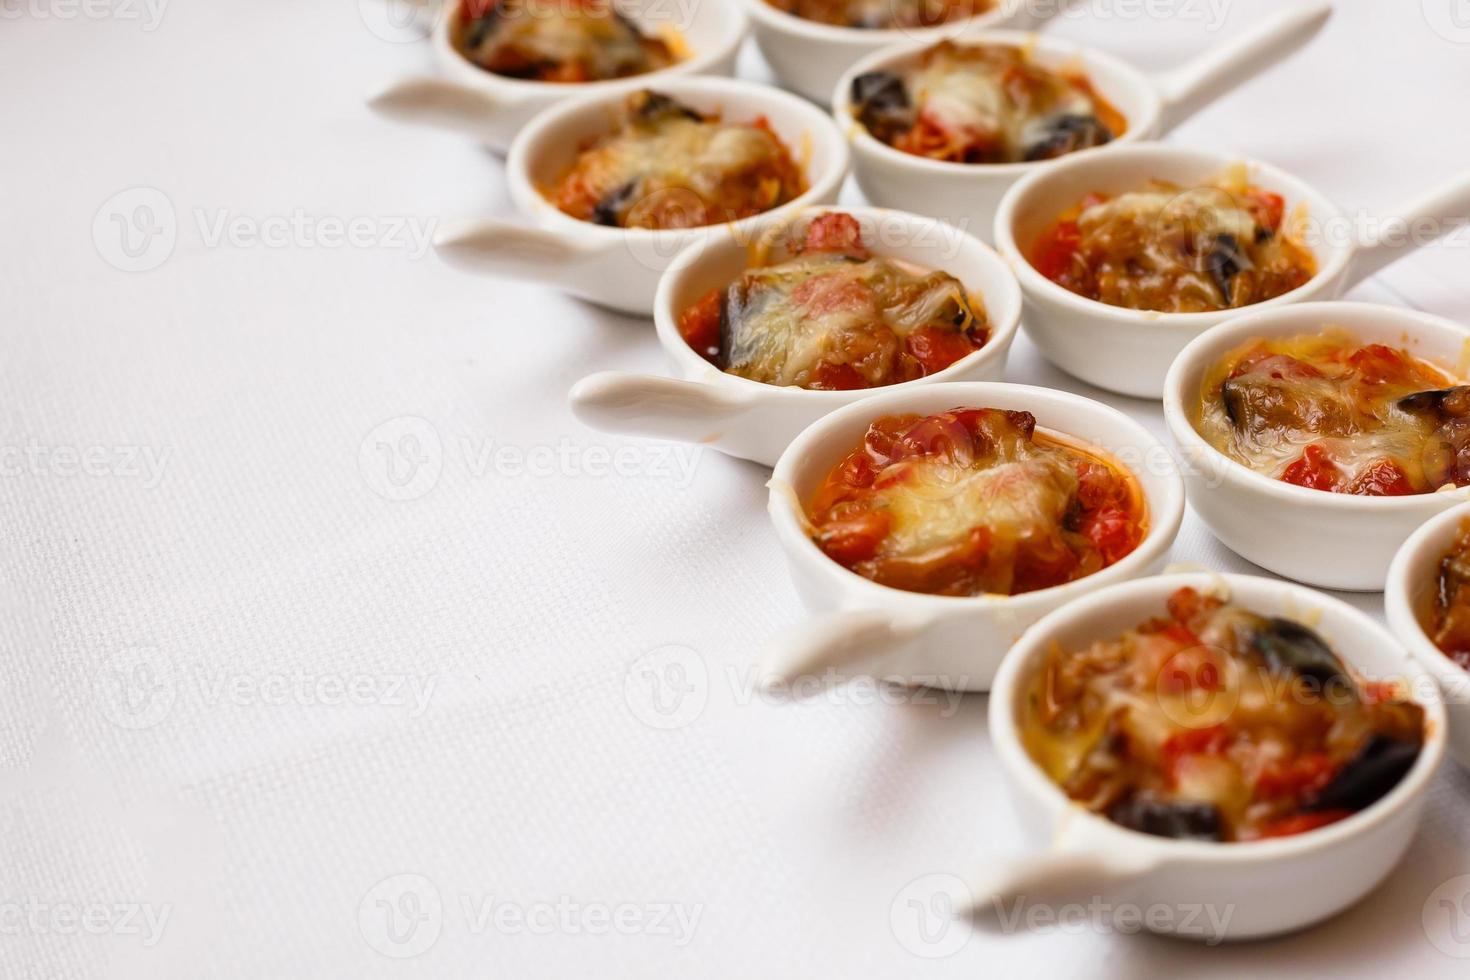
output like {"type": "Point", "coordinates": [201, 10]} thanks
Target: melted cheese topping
{"type": "Point", "coordinates": [1214, 723]}
{"type": "Point", "coordinates": [883, 14]}
{"type": "Point", "coordinates": [1322, 409]}
{"type": "Point", "coordinates": [1168, 248]}
{"type": "Point", "coordinates": [972, 501]}
{"type": "Point", "coordinates": [671, 168]}
{"type": "Point", "coordinates": [559, 41]}
{"type": "Point", "coordinates": [985, 104]}
{"type": "Point", "coordinates": [783, 322]}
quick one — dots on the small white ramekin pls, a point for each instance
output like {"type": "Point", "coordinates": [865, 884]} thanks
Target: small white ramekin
{"type": "Point", "coordinates": [492, 108]}
{"type": "Point", "coordinates": [753, 420]}
{"type": "Point", "coordinates": [809, 57]}
{"type": "Point", "coordinates": [1408, 600]}
{"type": "Point", "coordinates": [950, 642]}
{"type": "Point", "coordinates": [968, 194]}
{"type": "Point", "coordinates": [1331, 540]}
{"type": "Point", "coordinates": [1129, 351]}
{"type": "Point", "coordinates": [1235, 890]}
{"type": "Point", "coordinates": [620, 267]}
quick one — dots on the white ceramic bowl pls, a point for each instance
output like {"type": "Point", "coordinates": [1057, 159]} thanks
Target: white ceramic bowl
{"type": "Point", "coordinates": [1129, 351]}
{"type": "Point", "coordinates": [968, 194]}
{"type": "Point", "coordinates": [809, 57]}
{"type": "Point", "coordinates": [1258, 888]}
{"type": "Point", "coordinates": [1408, 600]}
{"type": "Point", "coordinates": [620, 267]}
{"type": "Point", "coordinates": [492, 108]}
{"type": "Point", "coordinates": [753, 420]}
{"type": "Point", "coordinates": [1332, 540]}
{"type": "Point", "coordinates": [950, 642]}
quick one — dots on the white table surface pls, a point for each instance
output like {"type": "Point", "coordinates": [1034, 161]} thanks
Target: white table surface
{"type": "Point", "coordinates": [192, 487]}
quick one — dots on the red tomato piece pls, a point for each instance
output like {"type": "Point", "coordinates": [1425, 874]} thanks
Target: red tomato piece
{"type": "Point", "coordinates": [838, 377]}
{"type": "Point", "coordinates": [1196, 741]}
{"type": "Point", "coordinates": [1055, 250]}
{"type": "Point", "coordinates": [854, 539]}
{"type": "Point", "coordinates": [700, 325]}
{"type": "Point", "coordinates": [1267, 208]}
{"type": "Point", "coordinates": [936, 349]}
{"type": "Point", "coordinates": [1377, 364]}
{"type": "Point", "coordinates": [1313, 470]}
{"type": "Point", "coordinates": [835, 232]}
{"type": "Point", "coordinates": [1384, 478]}
{"type": "Point", "coordinates": [1112, 531]}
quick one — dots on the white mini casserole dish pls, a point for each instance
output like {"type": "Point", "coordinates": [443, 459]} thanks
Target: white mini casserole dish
{"type": "Point", "coordinates": [753, 420]}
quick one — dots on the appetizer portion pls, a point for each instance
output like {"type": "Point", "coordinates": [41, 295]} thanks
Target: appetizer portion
{"type": "Point", "coordinates": [831, 316]}
{"type": "Point", "coordinates": [1327, 412]}
{"type": "Point", "coordinates": [557, 40]}
{"type": "Point", "coordinates": [1171, 249]}
{"type": "Point", "coordinates": [984, 104]}
{"type": "Point", "coordinates": [884, 14]}
{"type": "Point", "coordinates": [1215, 723]}
{"type": "Point", "coordinates": [1450, 622]}
{"type": "Point", "coordinates": [668, 166]}
{"type": "Point", "coordinates": [974, 501]}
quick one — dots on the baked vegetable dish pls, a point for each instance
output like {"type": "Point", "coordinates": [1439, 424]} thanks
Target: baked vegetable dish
{"type": "Point", "coordinates": [557, 40]}
{"type": "Point", "coordinates": [984, 104]}
{"type": "Point", "coordinates": [828, 314]}
{"type": "Point", "coordinates": [883, 14]}
{"type": "Point", "coordinates": [1217, 246]}
{"type": "Point", "coordinates": [1327, 412]}
{"type": "Point", "coordinates": [1215, 723]}
{"type": "Point", "coordinates": [669, 166]}
{"type": "Point", "coordinates": [974, 501]}
{"type": "Point", "coordinates": [1450, 623]}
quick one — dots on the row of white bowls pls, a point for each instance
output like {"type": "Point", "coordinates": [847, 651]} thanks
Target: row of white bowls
{"type": "Point", "coordinates": [986, 642]}
{"type": "Point", "coordinates": [805, 56]}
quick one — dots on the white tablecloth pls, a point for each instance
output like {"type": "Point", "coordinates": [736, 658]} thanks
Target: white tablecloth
{"type": "Point", "coordinates": [279, 705]}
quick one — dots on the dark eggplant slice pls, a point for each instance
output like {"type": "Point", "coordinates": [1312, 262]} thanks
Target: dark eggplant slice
{"type": "Point", "coordinates": [483, 26]}
{"type": "Point", "coordinates": [1443, 403]}
{"type": "Point", "coordinates": [1289, 647]}
{"type": "Point", "coordinates": [1224, 261]}
{"type": "Point", "coordinates": [609, 210]}
{"type": "Point", "coordinates": [654, 108]}
{"type": "Point", "coordinates": [743, 341]}
{"type": "Point", "coordinates": [1181, 820]}
{"type": "Point", "coordinates": [1065, 134]}
{"type": "Point", "coordinates": [883, 104]}
{"type": "Point", "coordinates": [1367, 778]}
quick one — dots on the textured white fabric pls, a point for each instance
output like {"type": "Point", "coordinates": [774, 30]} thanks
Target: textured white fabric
{"type": "Point", "coordinates": [159, 747]}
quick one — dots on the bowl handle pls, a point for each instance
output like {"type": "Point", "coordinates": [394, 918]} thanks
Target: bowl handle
{"type": "Point", "coordinates": [501, 248]}
{"type": "Point", "coordinates": [655, 407]}
{"type": "Point", "coordinates": [1410, 226]}
{"type": "Point", "coordinates": [1062, 877]}
{"type": "Point", "coordinates": [851, 641]}
{"type": "Point", "coordinates": [429, 101]}
{"type": "Point", "coordinates": [1189, 88]}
